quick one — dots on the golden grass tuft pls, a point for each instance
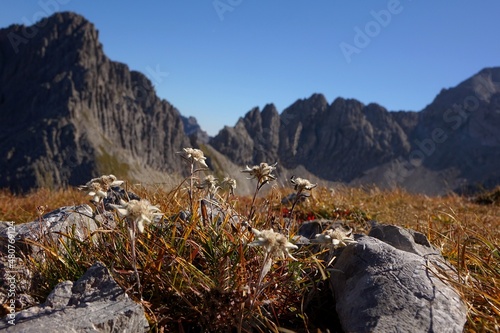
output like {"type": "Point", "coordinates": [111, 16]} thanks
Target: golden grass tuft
{"type": "Point", "coordinates": [28, 207]}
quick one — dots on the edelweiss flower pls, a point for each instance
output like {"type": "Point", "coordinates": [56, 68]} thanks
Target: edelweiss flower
{"type": "Point", "coordinates": [138, 212]}
{"type": "Point", "coordinates": [228, 184]}
{"type": "Point", "coordinates": [275, 244]}
{"type": "Point", "coordinates": [335, 238]}
{"type": "Point", "coordinates": [98, 187]}
{"type": "Point", "coordinates": [209, 183]}
{"type": "Point", "coordinates": [301, 184]}
{"type": "Point", "coordinates": [194, 155]}
{"type": "Point", "coordinates": [262, 172]}
{"type": "Point", "coordinates": [109, 180]}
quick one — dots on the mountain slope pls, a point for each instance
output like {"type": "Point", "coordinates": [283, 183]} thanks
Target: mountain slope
{"type": "Point", "coordinates": [460, 130]}
{"type": "Point", "coordinates": [68, 113]}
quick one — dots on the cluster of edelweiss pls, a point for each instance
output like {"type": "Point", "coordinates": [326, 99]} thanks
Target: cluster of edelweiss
{"type": "Point", "coordinates": [140, 212]}
{"type": "Point", "coordinates": [136, 212]}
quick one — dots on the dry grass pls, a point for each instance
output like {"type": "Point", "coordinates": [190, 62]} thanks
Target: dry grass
{"type": "Point", "coordinates": [467, 233]}
{"type": "Point", "coordinates": [182, 263]}
{"type": "Point", "coordinates": [26, 208]}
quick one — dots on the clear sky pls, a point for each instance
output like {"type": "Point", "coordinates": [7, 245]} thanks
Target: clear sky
{"type": "Point", "coordinates": [216, 60]}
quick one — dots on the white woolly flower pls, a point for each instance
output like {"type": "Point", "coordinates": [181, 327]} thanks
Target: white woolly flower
{"type": "Point", "coordinates": [138, 212]}
{"type": "Point", "coordinates": [335, 238]}
{"type": "Point", "coordinates": [262, 172]}
{"type": "Point", "coordinates": [209, 183]}
{"type": "Point", "coordinates": [301, 184]}
{"type": "Point", "coordinates": [95, 190]}
{"type": "Point", "coordinates": [98, 187]}
{"type": "Point", "coordinates": [228, 184]}
{"type": "Point", "coordinates": [274, 243]}
{"type": "Point", "coordinates": [194, 155]}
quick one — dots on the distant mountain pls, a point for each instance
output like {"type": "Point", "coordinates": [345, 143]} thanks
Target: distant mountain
{"type": "Point", "coordinates": [452, 145]}
{"type": "Point", "coordinates": [458, 134]}
{"type": "Point", "coordinates": [68, 113]}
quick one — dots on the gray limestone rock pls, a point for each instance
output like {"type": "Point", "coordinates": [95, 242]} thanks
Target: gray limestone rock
{"type": "Point", "coordinates": [29, 239]}
{"type": "Point", "coordinates": [77, 220]}
{"type": "Point", "coordinates": [404, 239]}
{"type": "Point", "coordinates": [379, 287]}
{"type": "Point", "coordinates": [94, 303]}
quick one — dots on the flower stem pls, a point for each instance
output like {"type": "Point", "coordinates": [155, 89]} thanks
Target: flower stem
{"type": "Point", "coordinates": [132, 233]}
{"type": "Point", "coordinates": [297, 197]}
{"type": "Point", "coordinates": [191, 188]}
{"type": "Point", "coordinates": [252, 206]}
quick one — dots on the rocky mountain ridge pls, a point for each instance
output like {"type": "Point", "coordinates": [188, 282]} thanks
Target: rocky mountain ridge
{"type": "Point", "coordinates": [451, 145]}
{"type": "Point", "coordinates": [68, 113]}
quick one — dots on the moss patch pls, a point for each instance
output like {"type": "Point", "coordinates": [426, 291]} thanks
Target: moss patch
{"type": "Point", "coordinates": [110, 164]}
{"type": "Point", "coordinates": [218, 169]}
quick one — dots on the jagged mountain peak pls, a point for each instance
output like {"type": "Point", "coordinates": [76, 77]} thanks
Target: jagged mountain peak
{"type": "Point", "coordinates": [67, 29]}
{"type": "Point", "coordinates": [70, 24]}
{"type": "Point", "coordinates": [68, 113]}
{"type": "Point", "coordinates": [193, 129]}
{"type": "Point", "coordinates": [303, 109]}
{"type": "Point", "coordinates": [479, 88]}
{"type": "Point", "coordinates": [316, 99]}
{"type": "Point", "coordinates": [350, 104]}
{"type": "Point", "coordinates": [484, 84]}
{"type": "Point", "coordinates": [269, 110]}
{"type": "Point", "coordinates": [316, 102]}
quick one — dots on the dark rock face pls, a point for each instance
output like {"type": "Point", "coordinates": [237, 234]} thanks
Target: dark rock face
{"type": "Point", "coordinates": [94, 303]}
{"type": "Point", "coordinates": [342, 140]}
{"type": "Point", "coordinates": [192, 128]}
{"type": "Point", "coordinates": [254, 139]}
{"type": "Point", "coordinates": [460, 130]}
{"type": "Point", "coordinates": [68, 113]}
{"type": "Point", "coordinates": [390, 284]}
{"type": "Point", "coordinates": [334, 142]}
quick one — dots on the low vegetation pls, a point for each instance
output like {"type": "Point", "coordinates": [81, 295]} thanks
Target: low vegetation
{"type": "Point", "coordinates": [196, 268]}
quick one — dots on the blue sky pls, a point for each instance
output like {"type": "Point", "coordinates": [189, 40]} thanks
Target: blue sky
{"type": "Point", "coordinates": [216, 60]}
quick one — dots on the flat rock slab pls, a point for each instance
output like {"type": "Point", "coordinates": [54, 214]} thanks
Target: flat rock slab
{"type": "Point", "coordinates": [379, 288]}
{"type": "Point", "coordinates": [78, 220]}
{"type": "Point", "coordinates": [94, 303]}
